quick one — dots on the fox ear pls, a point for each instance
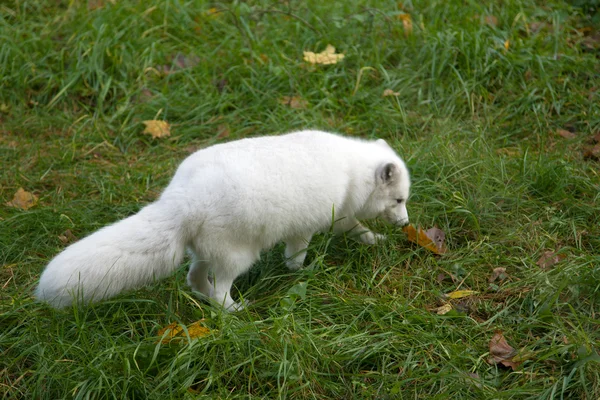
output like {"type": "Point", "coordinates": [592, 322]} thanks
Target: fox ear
{"type": "Point", "coordinates": [388, 173]}
{"type": "Point", "coordinates": [382, 143]}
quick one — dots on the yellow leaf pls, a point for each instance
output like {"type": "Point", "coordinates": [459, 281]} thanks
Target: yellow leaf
{"type": "Point", "coordinates": [459, 294]}
{"type": "Point", "coordinates": [157, 129]}
{"type": "Point", "coordinates": [432, 239]}
{"type": "Point", "coordinates": [390, 92]}
{"type": "Point", "coordinates": [506, 44]}
{"type": "Point", "coordinates": [407, 24]}
{"type": "Point", "coordinates": [23, 200]}
{"type": "Point", "coordinates": [213, 12]}
{"type": "Point", "coordinates": [174, 331]}
{"type": "Point", "coordinates": [326, 57]}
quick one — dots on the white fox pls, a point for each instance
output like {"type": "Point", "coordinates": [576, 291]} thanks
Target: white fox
{"type": "Point", "coordinates": [228, 202]}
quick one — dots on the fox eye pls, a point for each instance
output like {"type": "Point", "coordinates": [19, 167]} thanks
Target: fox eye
{"type": "Point", "coordinates": [399, 201]}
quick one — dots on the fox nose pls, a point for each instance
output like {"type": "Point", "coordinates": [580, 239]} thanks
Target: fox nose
{"type": "Point", "coordinates": [402, 222]}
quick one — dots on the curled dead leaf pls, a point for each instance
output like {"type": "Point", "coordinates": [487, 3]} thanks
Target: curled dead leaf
{"type": "Point", "coordinates": [23, 200]}
{"type": "Point", "coordinates": [174, 331]}
{"type": "Point", "coordinates": [326, 57]}
{"type": "Point", "coordinates": [223, 131]}
{"type": "Point", "coordinates": [491, 20]}
{"type": "Point", "coordinates": [592, 152]}
{"type": "Point", "coordinates": [407, 24]}
{"type": "Point", "coordinates": [67, 237]}
{"type": "Point", "coordinates": [432, 239]}
{"type": "Point", "coordinates": [501, 352]}
{"type": "Point", "coordinates": [156, 128]}
{"type": "Point", "coordinates": [295, 102]}
{"type": "Point", "coordinates": [499, 273]}
{"type": "Point", "coordinates": [390, 92]}
{"type": "Point", "coordinates": [445, 309]}
{"type": "Point", "coordinates": [549, 259]}
{"type": "Point", "coordinates": [566, 134]}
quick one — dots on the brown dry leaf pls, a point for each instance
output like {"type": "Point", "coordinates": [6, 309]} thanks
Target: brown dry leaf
{"type": "Point", "coordinates": [96, 4]}
{"type": "Point", "coordinates": [390, 92]}
{"type": "Point", "coordinates": [445, 309]}
{"type": "Point", "coordinates": [407, 24]}
{"type": "Point", "coordinates": [178, 62]}
{"type": "Point", "coordinates": [157, 128]}
{"type": "Point", "coordinates": [23, 200]}
{"type": "Point", "coordinates": [221, 84]}
{"type": "Point", "coordinates": [566, 134]}
{"type": "Point", "coordinates": [223, 131]}
{"type": "Point", "coordinates": [592, 152]}
{"type": "Point", "coordinates": [174, 331]}
{"type": "Point", "coordinates": [67, 237]}
{"type": "Point", "coordinates": [501, 352]}
{"type": "Point", "coordinates": [295, 102]}
{"type": "Point", "coordinates": [491, 20]}
{"type": "Point", "coordinates": [499, 273]}
{"type": "Point", "coordinates": [509, 151]}
{"type": "Point", "coordinates": [536, 27]}
{"type": "Point", "coordinates": [326, 57]}
{"type": "Point", "coordinates": [549, 259]}
{"type": "Point", "coordinates": [432, 239]}
{"type": "Point", "coordinates": [459, 294]}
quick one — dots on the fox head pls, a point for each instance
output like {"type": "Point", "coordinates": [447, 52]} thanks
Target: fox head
{"type": "Point", "coordinates": [392, 191]}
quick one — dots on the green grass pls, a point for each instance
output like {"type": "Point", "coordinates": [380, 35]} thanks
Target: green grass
{"type": "Point", "coordinates": [475, 122]}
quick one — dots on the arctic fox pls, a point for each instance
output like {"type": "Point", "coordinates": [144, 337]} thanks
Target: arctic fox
{"type": "Point", "coordinates": [228, 202]}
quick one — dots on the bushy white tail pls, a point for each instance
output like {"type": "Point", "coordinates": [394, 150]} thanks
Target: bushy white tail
{"type": "Point", "coordinates": [128, 254]}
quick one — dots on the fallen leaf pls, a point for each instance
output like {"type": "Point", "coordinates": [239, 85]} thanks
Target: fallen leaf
{"type": "Point", "coordinates": [145, 95]}
{"type": "Point", "coordinates": [67, 237]}
{"type": "Point", "coordinates": [390, 92]}
{"type": "Point", "coordinates": [596, 138]}
{"type": "Point", "coordinates": [174, 331]}
{"type": "Point", "coordinates": [592, 152]}
{"type": "Point", "coordinates": [156, 128]}
{"type": "Point", "coordinates": [549, 259]}
{"type": "Point", "coordinates": [178, 62]}
{"type": "Point", "coordinates": [432, 239]}
{"type": "Point", "coordinates": [295, 102]}
{"type": "Point", "coordinates": [491, 20]}
{"type": "Point", "coordinates": [591, 42]}
{"type": "Point", "coordinates": [501, 352]}
{"type": "Point", "coordinates": [506, 44]}
{"type": "Point", "coordinates": [446, 308]}
{"type": "Point", "coordinates": [221, 84]}
{"type": "Point", "coordinates": [499, 273]}
{"type": "Point", "coordinates": [535, 27]}
{"type": "Point", "coordinates": [213, 12]}
{"type": "Point", "coordinates": [509, 151]}
{"type": "Point", "coordinates": [442, 277]}
{"type": "Point", "coordinates": [407, 24]}
{"type": "Point", "coordinates": [223, 131]}
{"type": "Point", "coordinates": [23, 200]}
{"type": "Point", "coordinates": [186, 61]}
{"type": "Point", "coordinates": [96, 4]}
{"type": "Point", "coordinates": [459, 294]}
{"type": "Point", "coordinates": [566, 134]}
{"type": "Point", "coordinates": [326, 57]}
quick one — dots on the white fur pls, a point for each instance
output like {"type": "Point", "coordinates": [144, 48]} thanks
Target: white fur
{"type": "Point", "coordinates": [228, 202]}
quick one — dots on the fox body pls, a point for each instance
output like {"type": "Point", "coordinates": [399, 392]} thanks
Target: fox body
{"type": "Point", "coordinates": [228, 202]}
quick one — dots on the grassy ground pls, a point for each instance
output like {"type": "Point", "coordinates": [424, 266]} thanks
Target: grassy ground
{"type": "Point", "coordinates": [482, 89]}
